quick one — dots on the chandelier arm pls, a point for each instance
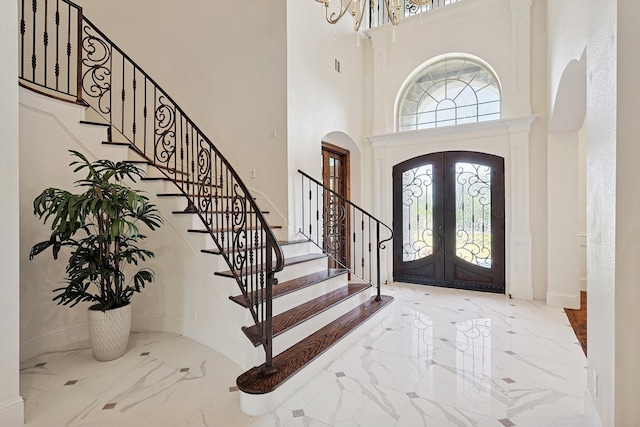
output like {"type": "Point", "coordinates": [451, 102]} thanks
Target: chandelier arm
{"type": "Point", "coordinates": [336, 16]}
{"type": "Point", "coordinates": [358, 17]}
{"type": "Point", "coordinates": [420, 2]}
{"type": "Point", "coordinates": [394, 16]}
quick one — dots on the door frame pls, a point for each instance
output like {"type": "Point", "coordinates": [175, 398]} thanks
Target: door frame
{"type": "Point", "coordinates": [345, 174]}
{"type": "Point", "coordinates": [443, 267]}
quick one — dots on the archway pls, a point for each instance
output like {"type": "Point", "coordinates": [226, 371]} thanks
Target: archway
{"type": "Point", "coordinates": [566, 180]}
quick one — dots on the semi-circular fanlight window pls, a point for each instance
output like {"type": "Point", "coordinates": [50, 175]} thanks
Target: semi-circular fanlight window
{"type": "Point", "coordinates": [448, 92]}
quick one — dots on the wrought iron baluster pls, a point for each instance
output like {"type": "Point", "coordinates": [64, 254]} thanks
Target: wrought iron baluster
{"type": "Point", "coordinates": [133, 125]}
{"type": "Point", "coordinates": [34, 8]}
{"type": "Point", "coordinates": [23, 27]}
{"type": "Point", "coordinates": [69, 46]}
{"type": "Point", "coordinates": [378, 243]}
{"type": "Point", "coordinates": [45, 38]}
{"type": "Point", "coordinates": [144, 117]}
{"type": "Point", "coordinates": [79, 21]}
{"type": "Point", "coordinates": [57, 66]}
{"type": "Point", "coordinates": [124, 95]}
{"type": "Point", "coordinates": [370, 254]}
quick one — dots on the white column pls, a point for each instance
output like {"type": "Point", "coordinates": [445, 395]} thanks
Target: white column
{"type": "Point", "coordinates": [11, 404]}
{"type": "Point", "coordinates": [518, 101]}
{"type": "Point", "coordinates": [379, 42]}
{"type": "Point", "coordinates": [519, 280]}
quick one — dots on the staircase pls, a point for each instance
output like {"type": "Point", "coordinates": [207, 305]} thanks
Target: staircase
{"type": "Point", "coordinates": [298, 319]}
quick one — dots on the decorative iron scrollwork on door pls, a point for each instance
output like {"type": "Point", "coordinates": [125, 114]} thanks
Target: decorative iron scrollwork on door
{"type": "Point", "coordinates": [473, 213]}
{"type": "Point", "coordinates": [417, 212]}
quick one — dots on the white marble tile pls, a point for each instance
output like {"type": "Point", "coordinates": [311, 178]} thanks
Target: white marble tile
{"type": "Point", "coordinates": [548, 349]}
{"type": "Point", "coordinates": [349, 402]}
{"type": "Point", "coordinates": [562, 377]}
{"type": "Point", "coordinates": [484, 395]}
{"type": "Point", "coordinates": [451, 357]}
{"type": "Point", "coordinates": [390, 370]}
{"type": "Point", "coordinates": [423, 412]}
{"type": "Point", "coordinates": [533, 407]}
{"type": "Point", "coordinates": [545, 328]}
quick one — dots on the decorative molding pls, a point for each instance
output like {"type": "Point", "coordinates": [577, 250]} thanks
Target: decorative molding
{"type": "Point", "coordinates": [12, 412]}
{"type": "Point", "coordinates": [458, 132]}
{"type": "Point", "coordinates": [63, 339]}
{"type": "Point", "coordinates": [591, 417]}
{"type": "Point", "coordinates": [555, 299]}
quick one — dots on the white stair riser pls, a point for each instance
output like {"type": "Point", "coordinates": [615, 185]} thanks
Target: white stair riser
{"type": "Point", "coordinates": [291, 272]}
{"type": "Point", "coordinates": [294, 299]}
{"type": "Point", "coordinates": [303, 330]}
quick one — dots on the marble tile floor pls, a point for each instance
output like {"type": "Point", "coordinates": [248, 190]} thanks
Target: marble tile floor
{"type": "Point", "coordinates": [442, 358]}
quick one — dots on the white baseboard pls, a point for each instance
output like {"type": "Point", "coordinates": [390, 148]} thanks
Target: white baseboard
{"type": "Point", "coordinates": [55, 341]}
{"type": "Point", "coordinates": [563, 300]}
{"type": "Point", "coordinates": [12, 413]}
{"type": "Point", "coordinates": [590, 413]}
{"type": "Point", "coordinates": [525, 293]}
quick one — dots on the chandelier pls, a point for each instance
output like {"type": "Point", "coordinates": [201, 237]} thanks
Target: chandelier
{"type": "Point", "coordinates": [358, 7]}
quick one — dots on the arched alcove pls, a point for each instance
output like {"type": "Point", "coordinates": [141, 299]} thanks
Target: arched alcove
{"type": "Point", "coordinates": [566, 181]}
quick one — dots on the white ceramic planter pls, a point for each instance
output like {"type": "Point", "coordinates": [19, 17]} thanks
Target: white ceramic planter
{"type": "Point", "coordinates": [109, 332]}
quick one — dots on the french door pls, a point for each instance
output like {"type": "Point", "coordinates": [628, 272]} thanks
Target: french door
{"type": "Point", "coordinates": [335, 176]}
{"type": "Point", "coordinates": [448, 220]}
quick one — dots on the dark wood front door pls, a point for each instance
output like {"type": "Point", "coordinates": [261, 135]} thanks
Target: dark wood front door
{"type": "Point", "coordinates": [448, 216]}
{"type": "Point", "coordinates": [335, 176]}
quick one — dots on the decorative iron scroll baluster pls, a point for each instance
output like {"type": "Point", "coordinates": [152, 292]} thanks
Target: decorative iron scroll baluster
{"type": "Point", "coordinates": [170, 141]}
{"type": "Point", "coordinates": [338, 212]}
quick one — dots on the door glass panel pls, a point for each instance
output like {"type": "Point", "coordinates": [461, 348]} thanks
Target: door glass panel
{"type": "Point", "coordinates": [473, 213]}
{"type": "Point", "coordinates": [417, 213]}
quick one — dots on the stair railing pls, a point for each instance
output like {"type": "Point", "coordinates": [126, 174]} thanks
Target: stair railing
{"type": "Point", "coordinates": [65, 56]}
{"type": "Point", "coordinates": [343, 230]}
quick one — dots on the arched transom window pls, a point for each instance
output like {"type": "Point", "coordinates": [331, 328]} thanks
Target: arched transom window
{"type": "Point", "coordinates": [451, 91]}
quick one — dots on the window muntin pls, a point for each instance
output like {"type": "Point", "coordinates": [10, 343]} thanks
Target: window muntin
{"type": "Point", "coordinates": [449, 92]}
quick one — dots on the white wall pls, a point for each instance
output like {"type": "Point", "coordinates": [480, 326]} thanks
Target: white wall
{"type": "Point", "coordinates": [627, 208]}
{"type": "Point", "coordinates": [609, 31]}
{"type": "Point", "coordinates": [226, 70]}
{"type": "Point", "coordinates": [602, 110]}
{"type": "Point", "coordinates": [320, 100]}
{"type": "Point", "coordinates": [11, 405]}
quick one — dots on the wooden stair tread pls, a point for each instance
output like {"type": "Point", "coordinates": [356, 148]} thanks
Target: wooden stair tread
{"type": "Point", "coordinates": [290, 318]}
{"type": "Point", "coordinates": [89, 122]}
{"type": "Point", "coordinates": [293, 285]}
{"type": "Point", "coordinates": [302, 353]}
{"type": "Point", "coordinates": [287, 262]}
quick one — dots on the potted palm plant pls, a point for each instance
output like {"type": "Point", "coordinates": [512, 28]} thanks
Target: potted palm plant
{"type": "Point", "coordinates": [100, 228]}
